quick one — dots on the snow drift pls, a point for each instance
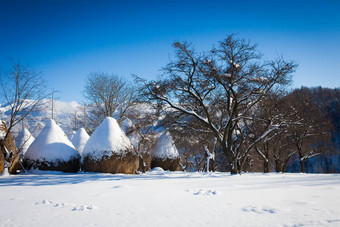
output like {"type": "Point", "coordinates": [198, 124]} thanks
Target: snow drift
{"type": "Point", "coordinates": [164, 154]}
{"type": "Point", "coordinates": [51, 150]}
{"type": "Point", "coordinates": [79, 139]}
{"type": "Point", "coordinates": [109, 150]}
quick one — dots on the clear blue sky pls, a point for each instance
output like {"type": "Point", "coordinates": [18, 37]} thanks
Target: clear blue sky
{"type": "Point", "coordinates": [66, 40]}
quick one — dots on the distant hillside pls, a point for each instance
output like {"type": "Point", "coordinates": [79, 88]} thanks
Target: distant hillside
{"type": "Point", "coordinates": [64, 115]}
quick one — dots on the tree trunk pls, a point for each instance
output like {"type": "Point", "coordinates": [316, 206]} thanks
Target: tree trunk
{"type": "Point", "coordinates": [234, 167]}
{"type": "Point", "coordinates": [266, 166]}
{"type": "Point", "coordinates": [141, 164]}
{"type": "Point", "coordinates": [302, 165]}
{"type": "Point", "coordinates": [2, 162]}
{"type": "Point", "coordinates": [231, 160]}
{"type": "Point", "coordinates": [241, 164]}
{"type": "Point", "coordinates": [285, 163]}
{"type": "Point", "coordinates": [212, 165]}
{"type": "Point", "coordinates": [278, 166]}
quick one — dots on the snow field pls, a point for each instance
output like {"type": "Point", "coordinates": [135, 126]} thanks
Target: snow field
{"type": "Point", "coordinates": [160, 198]}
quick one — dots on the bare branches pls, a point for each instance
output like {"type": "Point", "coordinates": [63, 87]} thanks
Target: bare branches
{"type": "Point", "coordinates": [23, 90]}
{"type": "Point", "coordinates": [219, 89]}
{"type": "Point", "coordinates": [110, 95]}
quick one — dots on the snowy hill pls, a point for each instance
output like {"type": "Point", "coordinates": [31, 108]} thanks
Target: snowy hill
{"type": "Point", "coordinates": [64, 115]}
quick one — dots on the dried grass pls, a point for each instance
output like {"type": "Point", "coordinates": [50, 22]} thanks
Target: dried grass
{"type": "Point", "coordinates": [166, 164]}
{"type": "Point", "coordinates": [127, 163]}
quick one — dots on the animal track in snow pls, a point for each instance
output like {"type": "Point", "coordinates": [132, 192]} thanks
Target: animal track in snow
{"type": "Point", "coordinates": [259, 210]}
{"type": "Point", "coordinates": [66, 205]}
{"type": "Point", "coordinates": [202, 192]}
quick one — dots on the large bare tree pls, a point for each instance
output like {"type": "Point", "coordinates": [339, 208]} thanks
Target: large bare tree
{"type": "Point", "coordinates": [110, 95]}
{"type": "Point", "coordinates": [219, 89]}
{"type": "Point", "coordinates": [22, 90]}
{"type": "Point", "coordinates": [311, 133]}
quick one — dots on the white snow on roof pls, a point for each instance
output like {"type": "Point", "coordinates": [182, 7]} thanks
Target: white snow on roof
{"type": "Point", "coordinates": [51, 145]}
{"type": "Point", "coordinates": [24, 140]}
{"type": "Point", "coordinates": [165, 147]}
{"type": "Point", "coordinates": [108, 138]}
{"type": "Point", "coordinates": [79, 139]}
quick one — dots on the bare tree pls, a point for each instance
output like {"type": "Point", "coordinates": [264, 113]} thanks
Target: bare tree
{"type": "Point", "coordinates": [269, 116]}
{"type": "Point", "coordinates": [219, 89]}
{"type": "Point", "coordinates": [141, 131]}
{"type": "Point", "coordinates": [109, 94]}
{"type": "Point", "coordinates": [311, 132]}
{"type": "Point", "coordinates": [23, 90]}
{"type": "Point", "coordinates": [193, 141]}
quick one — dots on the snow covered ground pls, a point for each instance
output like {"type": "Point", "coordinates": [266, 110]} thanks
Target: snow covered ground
{"type": "Point", "coordinates": [160, 198]}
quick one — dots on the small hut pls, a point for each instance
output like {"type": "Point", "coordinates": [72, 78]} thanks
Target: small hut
{"type": "Point", "coordinates": [164, 154]}
{"type": "Point", "coordinates": [52, 150]}
{"type": "Point", "coordinates": [109, 150]}
{"type": "Point", "coordinates": [79, 140]}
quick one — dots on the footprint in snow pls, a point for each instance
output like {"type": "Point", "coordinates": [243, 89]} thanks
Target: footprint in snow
{"type": "Point", "coordinates": [120, 186]}
{"type": "Point", "coordinates": [203, 192]}
{"type": "Point", "coordinates": [67, 205]}
{"type": "Point", "coordinates": [259, 210]}
{"type": "Point", "coordinates": [83, 208]}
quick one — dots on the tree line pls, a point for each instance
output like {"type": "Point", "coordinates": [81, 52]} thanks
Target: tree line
{"type": "Point", "coordinates": [227, 109]}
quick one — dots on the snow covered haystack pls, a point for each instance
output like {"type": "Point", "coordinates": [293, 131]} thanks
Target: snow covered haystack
{"type": "Point", "coordinates": [24, 140]}
{"type": "Point", "coordinates": [164, 154]}
{"type": "Point", "coordinates": [8, 147]}
{"type": "Point", "coordinates": [79, 140]}
{"type": "Point", "coordinates": [51, 150]}
{"type": "Point", "coordinates": [109, 150]}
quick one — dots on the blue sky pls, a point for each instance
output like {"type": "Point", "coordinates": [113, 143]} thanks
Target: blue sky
{"type": "Point", "coordinates": [67, 40]}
